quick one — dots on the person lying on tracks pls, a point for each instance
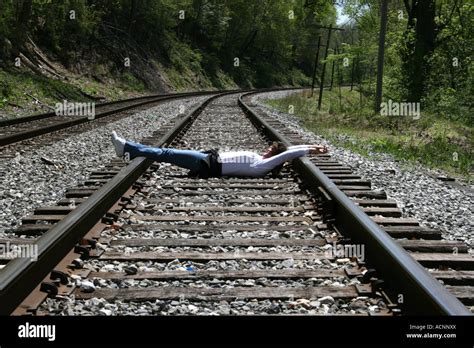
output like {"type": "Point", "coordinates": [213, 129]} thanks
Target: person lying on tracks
{"type": "Point", "coordinates": [205, 164]}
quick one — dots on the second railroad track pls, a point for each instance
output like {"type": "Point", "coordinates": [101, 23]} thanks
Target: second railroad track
{"type": "Point", "coordinates": [143, 238]}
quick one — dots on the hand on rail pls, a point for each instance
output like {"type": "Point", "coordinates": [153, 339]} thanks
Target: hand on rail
{"type": "Point", "coordinates": [318, 149]}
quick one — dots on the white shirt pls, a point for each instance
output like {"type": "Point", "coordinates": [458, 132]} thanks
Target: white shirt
{"type": "Point", "coordinates": [246, 163]}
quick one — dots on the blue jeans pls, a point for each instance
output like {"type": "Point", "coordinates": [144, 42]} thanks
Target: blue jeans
{"type": "Point", "coordinates": [189, 159]}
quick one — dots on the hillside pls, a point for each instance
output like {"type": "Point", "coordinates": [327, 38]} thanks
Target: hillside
{"type": "Point", "coordinates": [103, 50]}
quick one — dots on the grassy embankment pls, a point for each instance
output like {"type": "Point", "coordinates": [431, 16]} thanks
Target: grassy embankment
{"type": "Point", "coordinates": [432, 140]}
{"type": "Point", "coordinates": [23, 92]}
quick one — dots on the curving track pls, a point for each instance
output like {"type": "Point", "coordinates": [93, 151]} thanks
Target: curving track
{"type": "Point", "coordinates": [144, 233]}
{"type": "Point", "coordinates": [15, 130]}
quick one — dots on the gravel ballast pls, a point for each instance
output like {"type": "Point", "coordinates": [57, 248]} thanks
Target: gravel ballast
{"type": "Point", "coordinates": [240, 306]}
{"type": "Point", "coordinates": [322, 306]}
{"type": "Point", "coordinates": [131, 223]}
{"type": "Point", "coordinates": [419, 194]}
{"type": "Point", "coordinates": [27, 182]}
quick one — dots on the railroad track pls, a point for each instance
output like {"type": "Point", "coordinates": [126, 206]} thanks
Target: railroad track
{"type": "Point", "coordinates": [146, 233]}
{"type": "Point", "coordinates": [21, 129]}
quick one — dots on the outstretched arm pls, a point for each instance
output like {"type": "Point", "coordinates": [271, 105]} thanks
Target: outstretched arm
{"type": "Point", "coordinates": [268, 164]}
{"type": "Point", "coordinates": [295, 147]}
{"type": "Point", "coordinates": [293, 152]}
{"type": "Point", "coordinates": [313, 149]}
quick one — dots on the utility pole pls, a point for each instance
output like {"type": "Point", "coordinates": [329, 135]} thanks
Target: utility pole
{"type": "Point", "coordinates": [354, 62]}
{"type": "Point", "coordinates": [353, 70]}
{"type": "Point", "coordinates": [383, 30]}
{"type": "Point", "coordinates": [332, 69]}
{"type": "Point", "coordinates": [315, 65]}
{"type": "Point", "coordinates": [339, 80]}
{"type": "Point", "coordinates": [320, 100]}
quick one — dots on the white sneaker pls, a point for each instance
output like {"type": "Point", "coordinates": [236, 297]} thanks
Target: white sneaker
{"type": "Point", "coordinates": [119, 144]}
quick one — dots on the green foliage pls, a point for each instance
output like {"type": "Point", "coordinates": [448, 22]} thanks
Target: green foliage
{"type": "Point", "coordinates": [430, 140]}
{"type": "Point", "coordinates": [132, 82]}
{"type": "Point", "coordinates": [195, 43]}
{"type": "Point", "coordinates": [445, 77]}
{"type": "Point", "coordinates": [271, 38]}
{"type": "Point", "coordinates": [17, 89]}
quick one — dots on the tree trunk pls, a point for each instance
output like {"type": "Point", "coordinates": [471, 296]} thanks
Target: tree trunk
{"type": "Point", "coordinates": [21, 27]}
{"type": "Point", "coordinates": [248, 42]}
{"type": "Point", "coordinates": [421, 18]}
{"type": "Point", "coordinates": [381, 54]}
{"type": "Point", "coordinates": [131, 13]}
{"type": "Point", "coordinates": [2, 34]}
{"type": "Point", "coordinates": [315, 65]}
{"type": "Point", "coordinates": [332, 70]}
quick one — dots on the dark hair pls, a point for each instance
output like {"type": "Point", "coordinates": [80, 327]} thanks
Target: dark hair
{"type": "Point", "coordinates": [279, 148]}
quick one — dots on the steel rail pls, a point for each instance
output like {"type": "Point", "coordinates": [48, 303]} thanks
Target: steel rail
{"type": "Point", "coordinates": [20, 276]}
{"type": "Point", "coordinates": [422, 293]}
{"type": "Point", "coordinates": [25, 119]}
{"type": "Point", "coordinates": [16, 137]}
